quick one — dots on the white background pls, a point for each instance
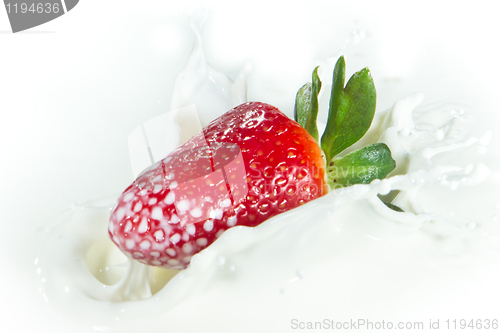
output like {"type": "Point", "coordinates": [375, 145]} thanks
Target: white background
{"type": "Point", "coordinates": [72, 90]}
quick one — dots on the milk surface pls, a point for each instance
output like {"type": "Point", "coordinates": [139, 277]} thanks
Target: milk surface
{"type": "Point", "coordinates": [65, 140]}
{"type": "Point", "coordinates": [343, 254]}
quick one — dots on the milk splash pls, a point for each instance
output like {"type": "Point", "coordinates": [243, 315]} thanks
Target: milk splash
{"type": "Point", "coordinates": [200, 85]}
{"type": "Point", "coordinates": [339, 245]}
{"type": "Point", "coordinates": [199, 93]}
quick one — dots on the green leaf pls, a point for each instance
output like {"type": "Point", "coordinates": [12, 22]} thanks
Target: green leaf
{"type": "Point", "coordinates": [351, 110]}
{"type": "Point", "coordinates": [306, 105]}
{"type": "Point", "coordinates": [394, 207]}
{"type": "Point", "coordinates": [302, 104]}
{"type": "Point", "coordinates": [361, 166]}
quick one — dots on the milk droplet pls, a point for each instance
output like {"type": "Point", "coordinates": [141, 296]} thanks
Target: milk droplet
{"type": "Point", "coordinates": [221, 260]}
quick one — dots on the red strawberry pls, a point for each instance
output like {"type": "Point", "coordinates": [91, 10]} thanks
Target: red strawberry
{"type": "Point", "coordinates": [246, 166]}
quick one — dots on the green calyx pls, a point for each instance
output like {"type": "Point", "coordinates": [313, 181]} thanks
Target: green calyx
{"type": "Point", "coordinates": [394, 207]}
{"type": "Point", "coordinates": [361, 166]}
{"type": "Point", "coordinates": [306, 105]}
{"type": "Point", "coordinates": [352, 108]}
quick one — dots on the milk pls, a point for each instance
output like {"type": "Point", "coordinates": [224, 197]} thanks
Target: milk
{"type": "Point", "coordinates": [342, 256]}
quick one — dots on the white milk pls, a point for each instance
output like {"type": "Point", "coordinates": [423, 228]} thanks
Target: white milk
{"type": "Point", "coordinates": [343, 256]}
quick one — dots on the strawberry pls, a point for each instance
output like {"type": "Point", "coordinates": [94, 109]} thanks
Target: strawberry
{"type": "Point", "coordinates": [246, 166]}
